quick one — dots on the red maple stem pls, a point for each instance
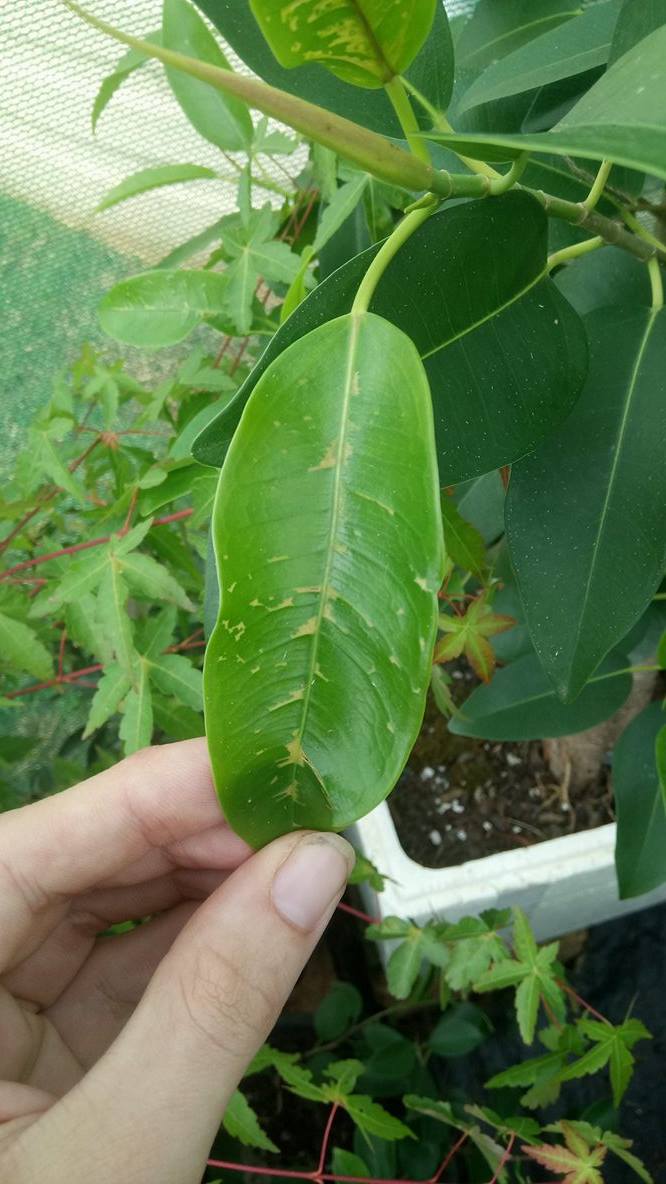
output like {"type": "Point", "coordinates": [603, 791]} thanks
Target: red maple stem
{"type": "Point", "coordinates": [504, 1160]}
{"type": "Point", "coordinates": [449, 1158]}
{"type": "Point", "coordinates": [583, 1003]}
{"type": "Point", "coordinates": [76, 547]}
{"type": "Point", "coordinates": [348, 908]}
{"type": "Point", "coordinates": [326, 1138]}
{"type": "Point", "coordinates": [61, 680]}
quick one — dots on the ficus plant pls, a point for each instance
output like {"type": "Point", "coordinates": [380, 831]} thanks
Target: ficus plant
{"type": "Point", "coordinates": [505, 315]}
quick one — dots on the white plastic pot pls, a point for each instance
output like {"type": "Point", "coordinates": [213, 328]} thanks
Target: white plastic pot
{"type": "Point", "coordinates": [561, 884]}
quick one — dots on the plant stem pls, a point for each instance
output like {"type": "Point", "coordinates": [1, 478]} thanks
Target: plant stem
{"type": "Point", "coordinates": [369, 150]}
{"type": "Point", "coordinates": [574, 251]}
{"type": "Point", "coordinates": [396, 1009]}
{"type": "Point", "coordinates": [642, 231]}
{"type": "Point", "coordinates": [396, 92]}
{"type": "Point", "coordinates": [656, 284]}
{"type": "Point", "coordinates": [509, 179]}
{"type": "Point", "coordinates": [598, 185]}
{"type": "Point", "coordinates": [442, 124]}
{"type": "Point", "coordinates": [386, 253]}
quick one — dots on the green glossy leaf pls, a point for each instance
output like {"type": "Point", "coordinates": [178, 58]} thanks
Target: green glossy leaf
{"type": "Point", "coordinates": [462, 541]}
{"type": "Point", "coordinates": [621, 118]}
{"type": "Point", "coordinates": [364, 42]}
{"type": "Point", "coordinates": [588, 286]}
{"type": "Point", "coordinates": [431, 71]}
{"type": "Point", "coordinates": [504, 353]}
{"type": "Point", "coordinates": [21, 648]}
{"type": "Point", "coordinates": [241, 1122]}
{"type": "Point", "coordinates": [222, 120]}
{"type": "Point", "coordinates": [329, 566]}
{"type": "Point", "coordinates": [175, 675]}
{"type": "Point", "coordinates": [112, 687]}
{"type": "Point", "coordinates": [126, 66]}
{"type": "Point", "coordinates": [153, 178]}
{"type": "Point", "coordinates": [499, 27]}
{"type": "Point", "coordinates": [571, 48]}
{"type": "Point", "coordinates": [160, 308]}
{"type": "Point", "coordinates": [640, 851]}
{"type": "Point", "coordinates": [584, 571]}
{"type": "Point", "coordinates": [521, 704]}
{"type": "Point", "coordinates": [136, 728]}
{"type": "Point", "coordinates": [637, 19]}
{"type": "Point", "coordinates": [660, 757]}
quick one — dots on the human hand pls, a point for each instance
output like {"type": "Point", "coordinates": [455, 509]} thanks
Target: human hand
{"type": "Point", "coordinates": [118, 1054]}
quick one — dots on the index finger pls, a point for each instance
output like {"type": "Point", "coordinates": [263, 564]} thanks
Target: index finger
{"type": "Point", "coordinates": [65, 844]}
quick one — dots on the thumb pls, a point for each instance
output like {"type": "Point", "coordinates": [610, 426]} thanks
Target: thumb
{"type": "Point", "coordinates": [149, 1110]}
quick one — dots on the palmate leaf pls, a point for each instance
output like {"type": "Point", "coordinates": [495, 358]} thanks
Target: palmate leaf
{"type": "Point", "coordinates": [21, 648]}
{"type": "Point", "coordinates": [364, 42]}
{"type": "Point", "coordinates": [130, 61]}
{"type": "Point", "coordinates": [136, 726]}
{"type": "Point", "coordinates": [577, 1163]}
{"type": "Point", "coordinates": [621, 118]}
{"type": "Point", "coordinates": [159, 308]}
{"type": "Point", "coordinates": [504, 352]}
{"type": "Point", "coordinates": [328, 544]}
{"type": "Point", "coordinates": [241, 1122]}
{"type": "Point", "coordinates": [112, 687]}
{"type": "Point", "coordinates": [153, 178]}
{"type": "Point", "coordinates": [584, 512]}
{"type": "Point", "coordinates": [431, 71]}
{"type": "Point", "coordinates": [571, 48]}
{"type": "Point", "coordinates": [222, 120]}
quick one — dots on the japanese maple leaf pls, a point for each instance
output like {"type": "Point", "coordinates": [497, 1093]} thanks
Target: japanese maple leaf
{"type": "Point", "coordinates": [578, 1162]}
{"type": "Point", "coordinates": [469, 635]}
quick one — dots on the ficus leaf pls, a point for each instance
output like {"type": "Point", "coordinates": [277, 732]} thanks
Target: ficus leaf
{"type": "Point", "coordinates": [586, 577]}
{"type": "Point", "coordinates": [640, 850]}
{"type": "Point", "coordinates": [620, 117]}
{"type": "Point", "coordinates": [431, 70]}
{"type": "Point", "coordinates": [570, 48]}
{"type": "Point", "coordinates": [495, 30]}
{"type": "Point", "coordinates": [521, 704]}
{"type": "Point", "coordinates": [505, 354]}
{"type": "Point", "coordinates": [330, 599]}
{"type": "Point", "coordinates": [364, 42]}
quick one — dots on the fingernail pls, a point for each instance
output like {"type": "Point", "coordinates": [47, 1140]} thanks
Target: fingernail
{"type": "Point", "coordinates": [311, 879]}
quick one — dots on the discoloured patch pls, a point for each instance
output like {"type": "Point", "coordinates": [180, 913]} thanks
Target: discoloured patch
{"type": "Point", "coordinates": [390, 728]}
{"type": "Point", "coordinates": [328, 460]}
{"type": "Point", "coordinates": [306, 629]}
{"type": "Point", "coordinates": [319, 673]}
{"type": "Point", "coordinates": [292, 698]}
{"type": "Point", "coordinates": [375, 501]}
{"type": "Point", "coordinates": [288, 603]}
{"type": "Point", "coordinates": [316, 588]}
{"type": "Point", "coordinates": [277, 559]}
{"type": "Point", "coordinates": [290, 792]}
{"type": "Point", "coordinates": [394, 661]}
{"type": "Point", "coordinates": [295, 754]}
{"type": "Point", "coordinates": [356, 383]}
{"type": "Point", "coordinates": [421, 582]}
{"type": "Point", "coordinates": [231, 587]}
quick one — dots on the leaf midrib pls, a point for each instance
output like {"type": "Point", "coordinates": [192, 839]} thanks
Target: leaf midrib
{"type": "Point", "coordinates": [332, 534]}
{"type": "Point", "coordinates": [622, 427]}
{"type": "Point", "coordinates": [543, 274]}
{"type": "Point", "coordinates": [560, 17]}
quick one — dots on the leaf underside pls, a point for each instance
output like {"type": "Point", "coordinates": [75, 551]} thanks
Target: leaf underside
{"type": "Point", "coordinates": [328, 543]}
